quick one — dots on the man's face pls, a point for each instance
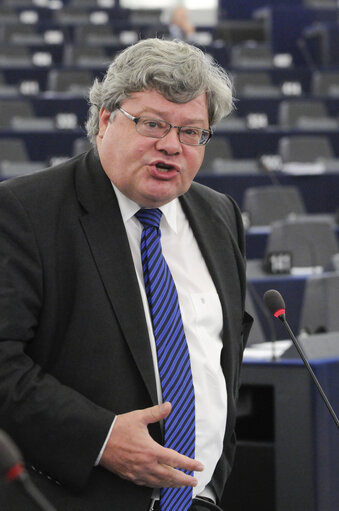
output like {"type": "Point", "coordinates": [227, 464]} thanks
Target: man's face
{"type": "Point", "coordinates": [134, 162]}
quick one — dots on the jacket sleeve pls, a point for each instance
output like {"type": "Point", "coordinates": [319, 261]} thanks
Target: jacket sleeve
{"type": "Point", "coordinates": [58, 430]}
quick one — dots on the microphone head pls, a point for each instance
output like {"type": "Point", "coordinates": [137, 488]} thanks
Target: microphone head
{"type": "Point", "coordinates": [9, 454]}
{"type": "Point", "coordinates": [274, 302]}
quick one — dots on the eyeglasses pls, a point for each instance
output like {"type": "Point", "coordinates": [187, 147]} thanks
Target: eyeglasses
{"type": "Point", "coordinates": [157, 128]}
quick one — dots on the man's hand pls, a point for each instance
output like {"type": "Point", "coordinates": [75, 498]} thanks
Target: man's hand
{"type": "Point", "coordinates": [132, 454]}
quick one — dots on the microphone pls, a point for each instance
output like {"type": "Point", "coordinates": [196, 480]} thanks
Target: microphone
{"type": "Point", "coordinates": [275, 303]}
{"type": "Point", "coordinates": [307, 55]}
{"type": "Point", "coordinates": [269, 322]}
{"type": "Point", "coordinates": [12, 469]}
{"type": "Point", "coordinates": [263, 166]}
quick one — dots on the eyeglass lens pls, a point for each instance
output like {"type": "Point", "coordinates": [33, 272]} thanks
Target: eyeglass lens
{"type": "Point", "coordinates": [158, 129]}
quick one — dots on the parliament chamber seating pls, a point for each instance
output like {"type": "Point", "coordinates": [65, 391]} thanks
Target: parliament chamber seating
{"type": "Point", "coordinates": [51, 51]}
{"type": "Point", "coordinates": [319, 311]}
{"type": "Point", "coordinates": [263, 205]}
{"type": "Point", "coordinates": [306, 114]}
{"type": "Point", "coordinates": [310, 241]}
{"type": "Point", "coordinates": [325, 83]}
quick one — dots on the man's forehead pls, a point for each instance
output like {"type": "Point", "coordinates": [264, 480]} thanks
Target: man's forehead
{"type": "Point", "coordinates": [150, 100]}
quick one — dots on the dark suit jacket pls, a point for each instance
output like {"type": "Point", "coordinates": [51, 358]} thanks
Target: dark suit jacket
{"type": "Point", "coordinates": [74, 348]}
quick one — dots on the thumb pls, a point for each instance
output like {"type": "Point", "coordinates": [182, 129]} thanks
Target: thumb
{"type": "Point", "coordinates": [156, 413]}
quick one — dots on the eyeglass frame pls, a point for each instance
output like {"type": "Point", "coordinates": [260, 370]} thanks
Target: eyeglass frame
{"type": "Point", "coordinates": [170, 126]}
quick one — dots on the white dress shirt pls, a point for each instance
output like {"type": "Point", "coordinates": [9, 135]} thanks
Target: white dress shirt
{"type": "Point", "coordinates": [202, 318]}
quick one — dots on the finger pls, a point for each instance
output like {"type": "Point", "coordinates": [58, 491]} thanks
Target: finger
{"type": "Point", "coordinates": [166, 480]}
{"type": "Point", "coordinates": [176, 460]}
{"type": "Point", "coordinates": [176, 478]}
{"type": "Point", "coordinates": [163, 476]}
{"type": "Point", "coordinates": [155, 413]}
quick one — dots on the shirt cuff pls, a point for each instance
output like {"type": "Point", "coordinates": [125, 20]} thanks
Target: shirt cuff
{"type": "Point", "coordinates": [97, 461]}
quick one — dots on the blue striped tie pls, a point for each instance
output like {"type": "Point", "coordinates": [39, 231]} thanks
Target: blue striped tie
{"type": "Point", "coordinates": [173, 355]}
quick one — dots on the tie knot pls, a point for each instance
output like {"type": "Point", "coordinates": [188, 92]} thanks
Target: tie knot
{"type": "Point", "coordinates": [149, 217]}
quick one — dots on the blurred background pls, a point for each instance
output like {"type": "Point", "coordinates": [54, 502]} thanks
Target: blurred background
{"type": "Point", "coordinates": [277, 155]}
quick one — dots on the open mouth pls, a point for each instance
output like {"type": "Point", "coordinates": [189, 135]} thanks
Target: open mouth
{"type": "Point", "coordinates": [165, 167]}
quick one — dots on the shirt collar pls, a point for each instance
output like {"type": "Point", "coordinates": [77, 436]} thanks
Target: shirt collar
{"type": "Point", "coordinates": [128, 209]}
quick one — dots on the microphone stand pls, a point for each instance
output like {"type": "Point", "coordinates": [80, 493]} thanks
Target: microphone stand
{"type": "Point", "coordinates": [12, 468]}
{"type": "Point", "coordinates": [35, 494]}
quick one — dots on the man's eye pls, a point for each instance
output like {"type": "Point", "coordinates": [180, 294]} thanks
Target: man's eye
{"type": "Point", "coordinates": [152, 124]}
{"type": "Point", "coordinates": [193, 132]}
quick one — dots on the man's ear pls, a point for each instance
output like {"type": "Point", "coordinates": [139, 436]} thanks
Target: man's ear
{"type": "Point", "coordinates": [104, 116]}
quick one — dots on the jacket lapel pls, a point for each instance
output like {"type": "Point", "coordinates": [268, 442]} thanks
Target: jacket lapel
{"type": "Point", "coordinates": [216, 244]}
{"type": "Point", "coordinates": [224, 261]}
{"type": "Point", "coordinates": [105, 232]}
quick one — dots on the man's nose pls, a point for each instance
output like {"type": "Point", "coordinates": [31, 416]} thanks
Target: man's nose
{"type": "Point", "coordinates": [170, 142]}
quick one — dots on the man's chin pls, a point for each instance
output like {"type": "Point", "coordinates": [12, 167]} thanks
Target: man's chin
{"type": "Point", "coordinates": [157, 198]}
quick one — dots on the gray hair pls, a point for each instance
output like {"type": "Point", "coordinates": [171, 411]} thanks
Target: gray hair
{"type": "Point", "coordinates": [175, 69]}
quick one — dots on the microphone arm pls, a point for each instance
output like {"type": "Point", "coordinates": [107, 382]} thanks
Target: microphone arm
{"type": "Point", "coordinates": [282, 318]}
{"type": "Point", "coordinates": [266, 170]}
{"type": "Point", "coordinates": [302, 44]}
{"type": "Point", "coordinates": [12, 469]}
{"type": "Point", "coordinates": [35, 494]}
{"type": "Point", "coordinates": [276, 305]}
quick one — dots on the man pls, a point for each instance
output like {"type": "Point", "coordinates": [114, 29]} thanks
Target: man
{"type": "Point", "coordinates": [179, 24]}
{"type": "Point", "coordinates": [80, 388]}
